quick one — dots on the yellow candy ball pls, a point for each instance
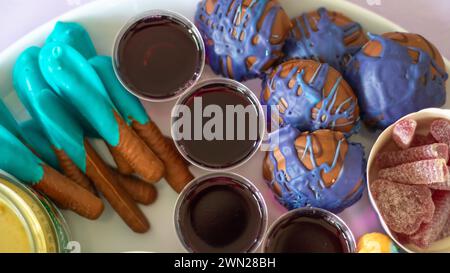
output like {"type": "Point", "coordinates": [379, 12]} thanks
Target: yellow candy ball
{"type": "Point", "coordinates": [375, 243]}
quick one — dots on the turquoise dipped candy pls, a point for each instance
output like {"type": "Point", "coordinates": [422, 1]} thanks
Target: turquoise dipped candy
{"type": "Point", "coordinates": [74, 35]}
{"type": "Point", "coordinates": [18, 160]}
{"type": "Point", "coordinates": [35, 136]}
{"type": "Point", "coordinates": [28, 81]}
{"type": "Point", "coordinates": [62, 129]}
{"type": "Point", "coordinates": [74, 79]}
{"type": "Point", "coordinates": [31, 134]}
{"type": "Point", "coordinates": [8, 121]}
{"type": "Point", "coordinates": [128, 105]}
{"type": "Point", "coordinates": [27, 78]}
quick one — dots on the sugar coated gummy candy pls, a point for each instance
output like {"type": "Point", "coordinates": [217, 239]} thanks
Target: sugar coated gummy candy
{"type": "Point", "coordinates": [403, 207]}
{"type": "Point", "coordinates": [419, 172]}
{"type": "Point", "coordinates": [421, 140]}
{"type": "Point", "coordinates": [403, 133]}
{"type": "Point", "coordinates": [395, 158]}
{"type": "Point", "coordinates": [440, 130]}
{"type": "Point", "coordinates": [428, 233]}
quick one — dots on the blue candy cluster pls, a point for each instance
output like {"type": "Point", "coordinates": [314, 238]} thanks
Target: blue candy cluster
{"type": "Point", "coordinates": [297, 186]}
{"type": "Point", "coordinates": [324, 43]}
{"type": "Point", "coordinates": [392, 85]}
{"type": "Point", "coordinates": [231, 34]}
{"type": "Point", "coordinates": [298, 108]}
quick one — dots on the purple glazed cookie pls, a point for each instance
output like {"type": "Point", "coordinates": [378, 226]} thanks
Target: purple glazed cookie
{"type": "Point", "coordinates": [320, 169]}
{"type": "Point", "coordinates": [396, 74]}
{"type": "Point", "coordinates": [243, 38]}
{"type": "Point", "coordinates": [311, 96]}
{"type": "Point", "coordinates": [325, 36]}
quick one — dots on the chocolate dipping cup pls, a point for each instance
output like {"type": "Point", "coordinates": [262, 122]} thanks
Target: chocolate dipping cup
{"type": "Point", "coordinates": [331, 218]}
{"type": "Point", "coordinates": [232, 85]}
{"type": "Point", "coordinates": [197, 182]}
{"type": "Point", "coordinates": [176, 18]}
{"type": "Point", "coordinates": [384, 143]}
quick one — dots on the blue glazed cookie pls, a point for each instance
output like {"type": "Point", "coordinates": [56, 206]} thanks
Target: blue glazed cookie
{"type": "Point", "coordinates": [396, 74]}
{"type": "Point", "coordinates": [325, 36]}
{"type": "Point", "coordinates": [243, 38]}
{"type": "Point", "coordinates": [319, 169]}
{"type": "Point", "coordinates": [311, 96]}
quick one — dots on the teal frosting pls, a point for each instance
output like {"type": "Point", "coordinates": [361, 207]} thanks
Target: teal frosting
{"type": "Point", "coordinates": [74, 35]}
{"type": "Point", "coordinates": [128, 105]}
{"type": "Point", "coordinates": [74, 79]}
{"type": "Point", "coordinates": [8, 121]}
{"type": "Point", "coordinates": [30, 134]}
{"type": "Point", "coordinates": [36, 138]}
{"type": "Point", "coordinates": [61, 127]}
{"type": "Point", "coordinates": [17, 160]}
{"type": "Point", "coordinates": [27, 79]}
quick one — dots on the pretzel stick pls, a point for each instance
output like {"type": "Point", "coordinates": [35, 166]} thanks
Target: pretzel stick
{"type": "Point", "coordinates": [141, 192]}
{"type": "Point", "coordinates": [122, 165]}
{"type": "Point", "coordinates": [172, 144]}
{"type": "Point", "coordinates": [69, 194]}
{"type": "Point", "coordinates": [140, 157]}
{"type": "Point", "coordinates": [177, 172]}
{"type": "Point", "coordinates": [72, 171]}
{"type": "Point", "coordinates": [107, 183]}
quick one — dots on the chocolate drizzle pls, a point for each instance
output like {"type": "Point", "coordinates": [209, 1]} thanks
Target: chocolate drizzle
{"type": "Point", "coordinates": [391, 85]}
{"type": "Point", "coordinates": [326, 44]}
{"type": "Point", "coordinates": [230, 33]}
{"type": "Point", "coordinates": [297, 186]}
{"type": "Point", "coordinates": [297, 109]}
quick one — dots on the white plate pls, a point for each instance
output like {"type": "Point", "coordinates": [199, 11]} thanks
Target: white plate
{"type": "Point", "coordinates": [103, 20]}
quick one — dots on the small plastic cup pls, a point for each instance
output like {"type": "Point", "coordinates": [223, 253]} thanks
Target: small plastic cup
{"type": "Point", "coordinates": [347, 240]}
{"type": "Point", "coordinates": [219, 154]}
{"type": "Point", "coordinates": [135, 86]}
{"type": "Point", "coordinates": [220, 212]}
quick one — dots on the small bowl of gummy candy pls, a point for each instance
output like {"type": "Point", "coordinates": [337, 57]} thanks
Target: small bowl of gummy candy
{"type": "Point", "coordinates": [409, 181]}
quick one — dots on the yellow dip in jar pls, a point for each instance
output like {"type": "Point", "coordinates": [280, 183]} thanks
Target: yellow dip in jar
{"type": "Point", "coordinates": [28, 221]}
{"type": "Point", "coordinates": [13, 236]}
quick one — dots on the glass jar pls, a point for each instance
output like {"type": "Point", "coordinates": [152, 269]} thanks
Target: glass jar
{"type": "Point", "coordinates": [29, 221]}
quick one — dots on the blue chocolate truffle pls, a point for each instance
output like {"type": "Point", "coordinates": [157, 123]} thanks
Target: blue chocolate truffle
{"type": "Point", "coordinates": [319, 169]}
{"type": "Point", "coordinates": [311, 96]}
{"type": "Point", "coordinates": [243, 38]}
{"type": "Point", "coordinates": [396, 74]}
{"type": "Point", "coordinates": [324, 36]}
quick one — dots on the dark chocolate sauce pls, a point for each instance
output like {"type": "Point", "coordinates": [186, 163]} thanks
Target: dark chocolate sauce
{"type": "Point", "coordinates": [221, 215]}
{"type": "Point", "coordinates": [307, 235]}
{"type": "Point", "coordinates": [222, 153]}
{"type": "Point", "coordinates": [158, 57]}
